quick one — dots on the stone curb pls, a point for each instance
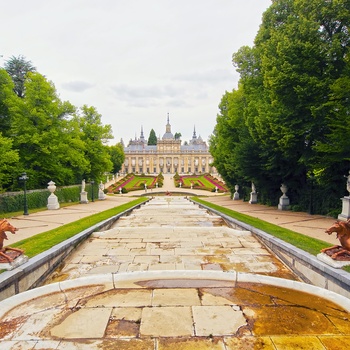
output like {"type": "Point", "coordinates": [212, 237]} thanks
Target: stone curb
{"type": "Point", "coordinates": [51, 257]}
{"type": "Point", "coordinates": [283, 249]}
{"type": "Point", "coordinates": [111, 281]}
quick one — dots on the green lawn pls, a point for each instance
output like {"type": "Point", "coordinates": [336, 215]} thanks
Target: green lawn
{"type": "Point", "coordinates": [306, 243]}
{"type": "Point", "coordinates": [203, 182]}
{"type": "Point", "coordinates": [43, 241]}
{"type": "Point", "coordinates": [139, 181]}
{"type": "Point", "coordinates": [195, 179]}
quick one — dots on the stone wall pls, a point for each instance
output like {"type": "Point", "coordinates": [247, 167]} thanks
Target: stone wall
{"type": "Point", "coordinates": [306, 266]}
{"type": "Point", "coordinates": [37, 269]}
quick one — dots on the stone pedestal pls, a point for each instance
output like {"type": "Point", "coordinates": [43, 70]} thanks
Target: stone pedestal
{"type": "Point", "coordinates": [284, 203]}
{"type": "Point", "coordinates": [18, 261]}
{"type": "Point", "coordinates": [83, 197]}
{"type": "Point", "coordinates": [253, 198]}
{"type": "Point", "coordinates": [101, 195]}
{"type": "Point", "coordinates": [331, 262]}
{"type": "Point", "coordinates": [345, 214]}
{"type": "Point", "coordinates": [52, 201]}
{"type": "Point", "coordinates": [284, 200]}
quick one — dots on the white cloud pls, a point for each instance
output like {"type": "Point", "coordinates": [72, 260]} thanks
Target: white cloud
{"type": "Point", "coordinates": [77, 86]}
{"type": "Point", "coordinates": [135, 60]}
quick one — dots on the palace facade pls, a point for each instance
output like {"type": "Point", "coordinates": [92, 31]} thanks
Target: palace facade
{"type": "Point", "coordinates": [168, 156]}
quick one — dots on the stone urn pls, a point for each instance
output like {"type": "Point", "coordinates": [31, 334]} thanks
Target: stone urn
{"type": "Point", "coordinates": [284, 200]}
{"type": "Point", "coordinates": [284, 190]}
{"type": "Point", "coordinates": [52, 201]}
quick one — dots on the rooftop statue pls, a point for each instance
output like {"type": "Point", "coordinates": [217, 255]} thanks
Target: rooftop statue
{"type": "Point", "coordinates": [4, 227]}
{"type": "Point", "coordinates": [342, 252]}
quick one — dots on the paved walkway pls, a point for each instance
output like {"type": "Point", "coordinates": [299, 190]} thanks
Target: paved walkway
{"type": "Point", "coordinates": [304, 223]}
{"type": "Point", "coordinates": [170, 233]}
{"type": "Point", "coordinates": [311, 225]}
{"type": "Point", "coordinates": [34, 223]}
{"type": "Point", "coordinates": [172, 276]}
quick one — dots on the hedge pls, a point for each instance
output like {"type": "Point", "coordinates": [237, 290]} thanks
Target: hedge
{"type": "Point", "coordinates": [14, 201]}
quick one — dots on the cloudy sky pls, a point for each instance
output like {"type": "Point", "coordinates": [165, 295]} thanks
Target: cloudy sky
{"type": "Point", "coordinates": [135, 60]}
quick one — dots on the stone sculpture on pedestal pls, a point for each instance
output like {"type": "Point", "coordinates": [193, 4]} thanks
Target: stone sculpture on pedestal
{"type": "Point", "coordinates": [236, 194]}
{"type": "Point", "coordinates": [253, 195]}
{"type": "Point", "coordinates": [101, 194]}
{"type": "Point", "coordinates": [9, 257]}
{"type": "Point", "coordinates": [345, 214]}
{"type": "Point", "coordinates": [342, 229]}
{"type": "Point", "coordinates": [83, 193]}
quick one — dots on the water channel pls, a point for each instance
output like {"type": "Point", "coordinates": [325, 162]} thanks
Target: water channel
{"type": "Point", "coordinates": [172, 276]}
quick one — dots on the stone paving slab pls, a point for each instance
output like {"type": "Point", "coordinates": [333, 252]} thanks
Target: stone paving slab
{"type": "Point", "coordinates": [219, 248]}
{"type": "Point", "coordinates": [229, 310]}
{"type": "Point", "coordinates": [155, 312]}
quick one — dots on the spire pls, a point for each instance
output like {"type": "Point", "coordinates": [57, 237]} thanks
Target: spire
{"type": "Point", "coordinates": [194, 133]}
{"type": "Point", "coordinates": [168, 135]}
{"type": "Point", "coordinates": [141, 136]}
{"type": "Point", "coordinates": [168, 126]}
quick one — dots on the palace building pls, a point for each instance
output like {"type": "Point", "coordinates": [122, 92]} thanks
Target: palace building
{"type": "Point", "coordinates": [168, 156]}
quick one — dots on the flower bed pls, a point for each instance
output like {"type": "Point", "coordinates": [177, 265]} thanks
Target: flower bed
{"type": "Point", "coordinates": [133, 183]}
{"type": "Point", "coordinates": [203, 182]}
{"type": "Point", "coordinates": [126, 182]}
{"type": "Point", "coordinates": [216, 183]}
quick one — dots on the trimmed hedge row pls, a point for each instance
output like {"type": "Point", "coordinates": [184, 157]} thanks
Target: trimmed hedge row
{"type": "Point", "coordinates": [14, 202]}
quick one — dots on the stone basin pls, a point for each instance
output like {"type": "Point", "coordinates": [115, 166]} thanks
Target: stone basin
{"type": "Point", "coordinates": [173, 276]}
{"type": "Point", "coordinates": [175, 310]}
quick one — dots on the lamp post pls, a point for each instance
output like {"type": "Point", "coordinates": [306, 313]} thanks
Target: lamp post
{"type": "Point", "coordinates": [24, 178]}
{"type": "Point", "coordinates": [92, 190]}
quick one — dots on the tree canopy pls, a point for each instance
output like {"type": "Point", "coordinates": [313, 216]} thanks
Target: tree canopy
{"type": "Point", "coordinates": [288, 118]}
{"type": "Point", "coordinates": [18, 68]}
{"type": "Point", "coordinates": [177, 135]}
{"type": "Point", "coordinates": [48, 138]}
{"type": "Point", "coordinates": [152, 138]}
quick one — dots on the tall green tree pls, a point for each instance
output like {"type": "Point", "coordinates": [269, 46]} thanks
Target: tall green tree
{"type": "Point", "coordinates": [294, 85]}
{"type": "Point", "coordinates": [8, 162]}
{"type": "Point", "coordinates": [95, 136]}
{"type": "Point", "coordinates": [6, 93]}
{"type": "Point", "coordinates": [117, 156]}
{"type": "Point", "coordinates": [152, 138]}
{"type": "Point", "coordinates": [177, 135]}
{"type": "Point", "coordinates": [303, 48]}
{"type": "Point", "coordinates": [49, 144]}
{"type": "Point", "coordinates": [18, 68]}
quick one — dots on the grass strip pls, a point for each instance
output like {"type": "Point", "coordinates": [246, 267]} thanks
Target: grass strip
{"type": "Point", "coordinates": [43, 241]}
{"type": "Point", "coordinates": [306, 243]}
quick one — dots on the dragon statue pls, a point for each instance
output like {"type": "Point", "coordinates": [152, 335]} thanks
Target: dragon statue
{"type": "Point", "coordinates": [342, 251]}
{"type": "Point", "coordinates": [7, 254]}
